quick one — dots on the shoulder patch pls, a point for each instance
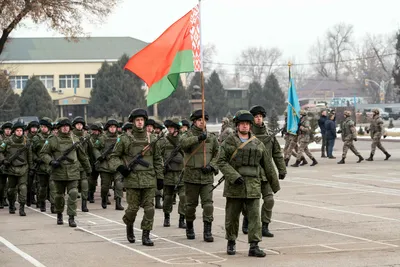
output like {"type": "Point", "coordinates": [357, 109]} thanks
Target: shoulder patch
{"type": "Point", "coordinates": [118, 139]}
{"type": "Point", "coordinates": [3, 144]}
{"type": "Point", "coordinates": [47, 141]}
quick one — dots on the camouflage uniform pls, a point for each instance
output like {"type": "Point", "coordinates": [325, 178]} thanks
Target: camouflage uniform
{"type": "Point", "coordinates": [376, 130]}
{"type": "Point", "coordinates": [141, 182]}
{"type": "Point", "coordinates": [33, 182]}
{"type": "Point", "coordinates": [304, 140]}
{"type": "Point", "coordinates": [226, 130]}
{"type": "Point", "coordinates": [17, 170]}
{"type": "Point", "coordinates": [241, 165]}
{"type": "Point", "coordinates": [3, 177]}
{"type": "Point", "coordinates": [349, 133]}
{"type": "Point", "coordinates": [199, 179]}
{"type": "Point", "coordinates": [92, 180]}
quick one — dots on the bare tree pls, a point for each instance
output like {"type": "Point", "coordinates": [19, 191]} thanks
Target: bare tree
{"type": "Point", "coordinates": [209, 53]}
{"type": "Point", "coordinates": [319, 56]}
{"type": "Point", "coordinates": [64, 16]}
{"type": "Point", "coordinates": [258, 62]}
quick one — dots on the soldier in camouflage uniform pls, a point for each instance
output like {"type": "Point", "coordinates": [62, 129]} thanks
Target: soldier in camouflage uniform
{"type": "Point", "coordinates": [199, 175]}
{"type": "Point", "coordinates": [32, 128]}
{"type": "Point", "coordinates": [6, 128]}
{"type": "Point", "coordinates": [43, 170]}
{"type": "Point", "coordinates": [141, 181]}
{"type": "Point", "coordinates": [102, 151]}
{"type": "Point", "coordinates": [349, 134]}
{"type": "Point", "coordinates": [376, 130]}
{"type": "Point", "coordinates": [96, 130]}
{"type": "Point", "coordinates": [304, 140]}
{"type": "Point", "coordinates": [120, 125]}
{"type": "Point", "coordinates": [78, 123]}
{"type": "Point", "coordinates": [185, 126]}
{"type": "Point", "coordinates": [274, 148]}
{"type": "Point", "coordinates": [226, 130]}
{"type": "Point", "coordinates": [16, 170]}
{"type": "Point", "coordinates": [65, 173]}
{"type": "Point", "coordinates": [172, 172]}
{"type": "Point", "coordinates": [158, 127]}
{"type": "Point", "coordinates": [242, 157]}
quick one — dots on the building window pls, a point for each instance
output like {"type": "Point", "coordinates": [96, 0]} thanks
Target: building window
{"type": "Point", "coordinates": [89, 80]}
{"type": "Point", "coordinates": [18, 82]}
{"type": "Point", "coordinates": [47, 80]}
{"type": "Point", "coordinates": [69, 81]}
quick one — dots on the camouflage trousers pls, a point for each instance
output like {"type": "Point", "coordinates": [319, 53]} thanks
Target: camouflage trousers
{"type": "Point", "coordinates": [348, 144]}
{"type": "Point", "coordinates": [83, 186]}
{"type": "Point", "coordinates": [106, 181]}
{"type": "Point", "coordinates": [17, 185]}
{"type": "Point", "coordinates": [290, 145]}
{"type": "Point", "coordinates": [3, 187]}
{"type": "Point", "coordinates": [233, 209]}
{"type": "Point", "coordinates": [59, 201]}
{"type": "Point", "coordinates": [193, 192]}
{"type": "Point", "coordinates": [168, 199]}
{"type": "Point", "coordinates": [303, 148]}
{"type": "Point", "coordinates": [376, 142]}
{"type": "Point", "coordinates": [92, 181]}
{"type": "Point", "coordinates": [45, 184]}
{"type": "Point", "coordinates": [136, 198]}
{"type": "Point", "coordinates": [268, 203]}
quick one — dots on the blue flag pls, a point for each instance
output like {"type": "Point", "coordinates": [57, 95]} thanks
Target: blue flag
{"type": "Point", "coordinates": [293, 110]}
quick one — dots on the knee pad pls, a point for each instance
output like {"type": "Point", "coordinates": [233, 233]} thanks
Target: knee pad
{"type": "Point", "coordinates": [149, 214]}
{"type": "Point", "coordinates": [269, 202]}
{"type": "Point", "coordinates": [73, 194]}
{"type": "Point", "coordinates": [208, 208]}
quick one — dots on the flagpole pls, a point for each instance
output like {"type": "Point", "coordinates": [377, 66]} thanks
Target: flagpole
{"type": "Point", "coordinates": [202, 86]}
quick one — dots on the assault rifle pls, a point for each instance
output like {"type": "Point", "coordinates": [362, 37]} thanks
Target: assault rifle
{"type": "Point", "coordinates": [138, 158]}
{"type": "Point", "coordinates": [16, 155]}
{"type": "Point", "coordinates": [173, 154]}
{"type": "Point", "coordinates": [105, 154]}
{"type": "Point", "coordinates": [64, 156]}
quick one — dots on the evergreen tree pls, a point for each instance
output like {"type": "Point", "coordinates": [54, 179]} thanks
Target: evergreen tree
{"type": "Point", "coordinates": [275, 98]}
{"type": "Point", "coordinates": [273, 120]}
{"type": "Point", "coordinates": [194, 81]}
{"type": "Point", "coordinates": [177, 104]}
{"type": "Point", "coordinates": [35, 100]}
{"type": "Point", "coordinates": [396, 67]}
{"type": "Point", "coordinates": [9, 107]}
{"type": "Point", "coordinates": [256, 96]}
{"type": "Point", "coordinates": [215, 97]}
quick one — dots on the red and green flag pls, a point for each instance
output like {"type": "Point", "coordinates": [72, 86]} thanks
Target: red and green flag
{"type": "Point", "coordinates": [176, 51]}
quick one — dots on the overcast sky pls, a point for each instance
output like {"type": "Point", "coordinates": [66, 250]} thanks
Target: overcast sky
{"type": "Point", "coordinates": [233, 25]}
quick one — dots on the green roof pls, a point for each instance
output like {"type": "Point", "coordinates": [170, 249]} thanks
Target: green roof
{"type": "Point", "coordinates": [60, 49]}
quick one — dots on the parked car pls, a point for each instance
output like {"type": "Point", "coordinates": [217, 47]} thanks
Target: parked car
{"type": "Point", "coordinates": [25, 119]}
{"type": "Point", "coordinates": [393, 113]}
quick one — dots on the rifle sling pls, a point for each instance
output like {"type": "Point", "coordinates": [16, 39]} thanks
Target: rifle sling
{"type": "Point", "coordinates": [242, 146]}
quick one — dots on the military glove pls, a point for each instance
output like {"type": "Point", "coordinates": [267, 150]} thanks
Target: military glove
{"type": "Point", "coordinates": [355, 139]}
{"type": "Point", "coordinates": [339, 132]}
{"type": "Point", "coordinates": [6, 163]}
{"type": "Point", "coordinates": [367, 131]}
{"type": "Point", "coordinates": [239, 181]}
{"type": "Point", "coordinates": [55, 163]}
{"type": "Point", "coordinates": [207, 169]}
{"type": "Point", "coordinates": [31, 172]}
{"type": "Point", "coordinates": [88, 174]}
{"type": "Point", "coordinates": [160, 184]}
{"type": "Point", "coordinates": [202, 136]}
{"type": "Point", "coordinates": [385, 136]}
{"type": "Point", "coordinates": [122, 169]}
{"type": "Point", "coordinates": [282, 176]}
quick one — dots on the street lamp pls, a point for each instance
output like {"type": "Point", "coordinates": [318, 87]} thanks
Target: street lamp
{"type": "Point", "coordinates": [382, 87]}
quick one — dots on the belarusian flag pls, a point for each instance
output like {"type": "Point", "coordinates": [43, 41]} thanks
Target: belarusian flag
{"type": "Point", "coordinates": [176, 51]}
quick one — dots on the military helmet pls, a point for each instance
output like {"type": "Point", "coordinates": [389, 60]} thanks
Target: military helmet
{"type": "Point", "coordinates": [17, 125]}
{"type": "Point", "coordinates": [197, 114]}
{"type": "Point", "coordinates": [150, 122]}
{"type": "Point", "coordinates": [375, 110]}
{"type": "Point", "coordinates": [111, 122]}
{"type": "Point", "coordinates": [63, 121]}
{"type": "Point", "coordinates": [243, 115]}
{"type": "Point", "coordinates": [347, 113]}
{"type": "Point", "coordinates": [255, 110]}
{"type": "Point", "coordinates": [174, 122]}
{"type": "Point", "coordinates": [32, 124]}
{"type": "Point", "coordinates": [185, 123]}
{"type": "Point", "coordinates": [138, 112]}
{"type": "Point", "coordinates": [303, 112]}
{"type": "Point", "coordinates": [126, 126]}
{"type": "Point", "coordinates": [46, 122]}
{"type": "Point", "coordinates": [158, 125]}
{"type": "Point", "coordinates": [98, 126]}
{"type": "Point", "coordinates": [7, 125]}
{"type": "Point", "coordinates": [78, 119]}
{"type": "Point", "coordinates": [120, 124]}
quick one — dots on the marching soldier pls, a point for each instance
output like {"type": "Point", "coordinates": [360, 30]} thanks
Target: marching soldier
{"type": "Point", "coordinates": [158, 127]}
{"type": "Point", "coordinates": [150, 125]}
{"type": "Point", "coordinates": [140, 181]}
{"type": "Point", "coordinates": [349, 134]}
{"type": "Point", "coordinates": [32, 130]}
{"type": "Point", "coordinates": [103, 148]}
{"type": "Point", "coordinates": [376, 130]}
{"type": "Point", "coordinates": [16, 158]}
{"type": "Point", "coordinates": [226, 130]}
{"type": "Point", "coordinates": [78, 123]}
{"type": "Point", "coordinates": [120, 125]}
{"type": "Point", "coordinates": [199, 175]}
{"type": "Point", "coordinates": [65, 168]}
{"type": "Point", "coordinates": [304, 139]}
{"type": "Point", "coordinates": [185, 126]}
{"type": "Point", "coordinates": [273, 147]}
{"type": "Point", "coordinates": [96, 130]}
{"type": "Point", "coordinates": [173, 164]}
{"type": "Point", "coordinates": [242, 157]}
{"type": "Point", "coordinates": [43, 170]}
{"type": "Point", "coordinates": [127, 128]}
{"type": "Point", "coordinates": [6, 129]}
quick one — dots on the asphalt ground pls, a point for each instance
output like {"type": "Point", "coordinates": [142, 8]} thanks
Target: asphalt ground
{"type": "Point", "coordinates": [326, 215]}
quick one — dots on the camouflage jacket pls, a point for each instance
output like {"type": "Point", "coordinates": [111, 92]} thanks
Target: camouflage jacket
{"type": "Point", "coordinates": [86, 147]}
{"type": "Point", "coordinates": [247, 163]}
{"type": "Point", "coordinates": [37, 145]}
{"type": "Point", "coordinates": [348, 130]}
{"type": "Point", "coordinates": [226, 130]}
{"type": "Point", "coordinates": [175, 166]}
{"type": "Point", "coordinates": [69, 170]}
{"type": "Point", "coordinates": [103, 143]}
{"type": "Point", "coordinates": [9, 147]}
{"type": "Point", "coordinates": [376, 127]}
{"type": "Point", "coordinates": [304, 130]}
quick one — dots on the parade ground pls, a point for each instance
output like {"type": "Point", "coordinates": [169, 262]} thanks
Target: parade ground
{"type": "Point", "coordinates": [327, 215]}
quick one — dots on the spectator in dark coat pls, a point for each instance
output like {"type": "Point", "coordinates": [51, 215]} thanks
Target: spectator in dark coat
{"type": "Point", "coordinates": [321, 123]}
{"type": "Point", "coordinates": [330, 128]}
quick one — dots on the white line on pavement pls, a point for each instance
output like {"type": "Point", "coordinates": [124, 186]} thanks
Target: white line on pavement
{"type": "Point", "coordinates": [24, 255]}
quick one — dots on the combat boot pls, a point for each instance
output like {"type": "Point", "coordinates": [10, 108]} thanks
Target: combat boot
{"type": "Point", "coordinates": [265, 230]}
{"type": "Point", "coordinates": [286, 162]}
{"type": "Point", "coordinates": [182, 223]}
{"type": "Point", "coordinates": [118, 205]}
{"type": "Point", "coordinates": [255, 250]}
{"type": "Point", "coordinates": [231, 247]}
{"type": "Point", "coordinates": [22, 209]}
{"type": "Point", "coordinates": [207, 235]}
{"type": "Point", "coordinates": [323, 155]}
{"type": "Point", "coordinates": [341, 161]}
{"type": "Point", "coordinates": [71, 221]}
{"type": "Point", "coordinates": [52, 208]}
{"type": "Point", "coordinates": [245, 225]}
{"type": "Point", "coordinates": [371, 157]}
{"type": "Point", "coordinates": [190, 231]}
{"type": "Point", "coordinates": [104, 201]}
{"type": "Point", "coordinates": [387, 156]}
{"type": "Point", "coordinates": [303, 161]}
{"type": "Point", "coordinates": [158, 202]}
{"type": "Point", "coordinates": [1, 205]}
{"type": "Point", "coordinates": [11, 207]}
{"type": "Point", "coordinates": [167, 220]}
{"type": "Point", "coordinates": [296, 164]}
{"type": "Point", "coordinates": [60, 219]}
{"type": "Point", "coordinates": [29, 198]}
{"type": "Point", "coordinates": [146, 241]}
{"type": "Point", "coordinates": [130, 234]}
{"type": "Point", "coordinates": [5, 203]}
{"type": "Point", "coordinates": [42, 206]}
{"type": "Point", "coordinates": [314, 162]}
{"type": "Point", "coordinates": [360, 158]}
{"type": "Point", "coordinates": [84, 205]}
{"type": "Point", "coordinates": [91, 197]}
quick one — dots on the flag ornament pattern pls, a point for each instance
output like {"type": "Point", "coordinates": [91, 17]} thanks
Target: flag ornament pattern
{"type": "Point", "coordinates": [195, 37]}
